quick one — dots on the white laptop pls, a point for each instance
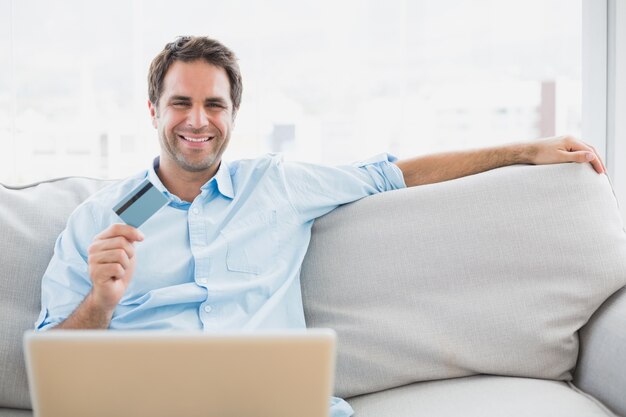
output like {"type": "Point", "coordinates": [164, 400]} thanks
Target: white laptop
{"type": "Point", "coordinates": [75, 373]}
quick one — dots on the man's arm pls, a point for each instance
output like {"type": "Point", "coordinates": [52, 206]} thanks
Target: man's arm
{"type": "Point", "coordinates": [88, 315]}
{"type": "Point", "coordinates": [111, 265]}
{"type": "Point", "coordinates": [450, 165]}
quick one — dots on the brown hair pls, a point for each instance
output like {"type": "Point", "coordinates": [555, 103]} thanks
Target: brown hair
{"type": "Point", "coordinates": [192, 48]}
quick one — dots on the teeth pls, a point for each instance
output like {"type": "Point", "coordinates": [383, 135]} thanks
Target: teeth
{"type": "Point", "coordinates": [196, 139]}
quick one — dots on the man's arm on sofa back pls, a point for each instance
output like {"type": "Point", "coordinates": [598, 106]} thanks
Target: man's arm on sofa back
{"type": "Point", "coordinates": [601, 368]}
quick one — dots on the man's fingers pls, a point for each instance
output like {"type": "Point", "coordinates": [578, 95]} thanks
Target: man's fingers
{"type": "Point", "coordinates": [597, 165]}
{"type": "Point", "coordinates": [118, 242]}
{"type": "Point", "coordinates": [566, 149]}
{"type": "Point", "coordinates": [113, 256]}
{"type": "Point", "coordinates": [584, 156]}
{"type": "Point", "coordinates": [116, 271]}
{"type": "Point", "coordinates": [597, 157]}
{"type": "Point", "coordinates": [594, 159]}
{"type": "Point", "coordinates": [578, 156]}
{"type": "Point", "coordinates": [120, 229]}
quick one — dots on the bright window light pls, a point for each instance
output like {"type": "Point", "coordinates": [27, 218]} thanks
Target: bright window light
{"type": "Point", "coordinates": [326, 81]}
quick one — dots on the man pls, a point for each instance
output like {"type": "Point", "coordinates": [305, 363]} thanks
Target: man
{"type": "Point", "coordinates": [226, 252]}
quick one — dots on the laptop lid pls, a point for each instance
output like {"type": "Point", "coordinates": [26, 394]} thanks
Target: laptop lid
{"type": "Point", "coordinates": [152, 374]}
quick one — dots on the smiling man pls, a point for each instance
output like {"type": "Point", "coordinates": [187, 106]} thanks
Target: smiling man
{"type": "Point", "coordinates": [226, 252]}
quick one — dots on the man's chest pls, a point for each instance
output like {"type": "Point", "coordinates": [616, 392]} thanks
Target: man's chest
{"type": "Point", "coordinates": [218, 245]}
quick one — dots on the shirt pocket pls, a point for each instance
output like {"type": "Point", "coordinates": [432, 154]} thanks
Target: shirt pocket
{"type": "Point", "coordinates": [251, 243]}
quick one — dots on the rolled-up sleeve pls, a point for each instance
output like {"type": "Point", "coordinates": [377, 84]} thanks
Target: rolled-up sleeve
{"type": "Point", "coordinates": [66, 281]}
{"type": "Point", "coordinates": [383, 171]}
{"type": "Point", "coordinates": [314, 190]}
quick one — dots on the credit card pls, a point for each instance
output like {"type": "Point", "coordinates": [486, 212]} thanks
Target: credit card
{"type": "Point", "coordinates": [140, 204]}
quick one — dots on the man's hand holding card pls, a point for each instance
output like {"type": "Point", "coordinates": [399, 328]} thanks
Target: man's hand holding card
{"type": "Point", "coordinates": [112, 263]}
{"type": "Point", "coordinates": [112, 254]}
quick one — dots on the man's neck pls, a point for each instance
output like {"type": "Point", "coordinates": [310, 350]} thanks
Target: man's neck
{"type": "Point", "coordinates": [184, 184]}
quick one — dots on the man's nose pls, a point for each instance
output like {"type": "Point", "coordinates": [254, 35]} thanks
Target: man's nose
{"type": "Point", "coordinates": [197, 118]}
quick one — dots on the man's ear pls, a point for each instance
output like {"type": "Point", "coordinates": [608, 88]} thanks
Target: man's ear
{"type": "Point", "coordinates": [154, 114]}
{"type": "Point", "coordinates": [234, 115]}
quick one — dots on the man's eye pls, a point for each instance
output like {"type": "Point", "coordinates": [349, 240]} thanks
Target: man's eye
{"type": "Point", "coordinates": [179, 103]}
{"type": "Point", "coordinates": [215, 105]}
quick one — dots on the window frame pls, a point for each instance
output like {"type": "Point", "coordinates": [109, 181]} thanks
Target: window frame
{"type": "Point", "coordinates": [604, 86]}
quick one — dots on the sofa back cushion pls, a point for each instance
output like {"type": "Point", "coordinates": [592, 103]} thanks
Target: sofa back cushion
{"type": "Point", "coordinates": [31, 218]}
{"type": "Point", "coordinates": [487, 274]}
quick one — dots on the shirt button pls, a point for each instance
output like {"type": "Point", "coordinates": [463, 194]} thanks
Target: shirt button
{"type": "Point", "coordinates": [195, 210]}
{"type": "Point", "coordinates": [208, 309]}
{"type": "Point", "coordinates": [203, 280]}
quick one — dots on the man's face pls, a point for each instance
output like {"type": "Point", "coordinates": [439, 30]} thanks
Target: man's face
{"type": "Point", "coordinates": [194, 116]}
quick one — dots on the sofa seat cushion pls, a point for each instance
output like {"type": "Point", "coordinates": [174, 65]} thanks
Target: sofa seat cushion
{"type": "Point", "coordinates": [480, 396]}
{"type": "Point", "coordinates": [14, 412]}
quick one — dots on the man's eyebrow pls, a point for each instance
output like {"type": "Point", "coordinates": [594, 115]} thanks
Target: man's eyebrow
{"type": "Point", "coordinates": [216, 100]}
{"type": "Point", "coordinates": [179, 98]}
{"type": "Point", "coordinates": [209, 100]}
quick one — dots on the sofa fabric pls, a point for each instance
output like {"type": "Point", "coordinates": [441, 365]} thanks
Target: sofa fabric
{"type": "Point", "coordinates": [31, 218]}
{"type": "Point", "coordinates": [601, 368]}
{"type": "Point", "coordinates": [480, 396]}
{"type": "Point", "coordinates": [488, 274]}
{"type": "Point", "coordinates": [14, 412]}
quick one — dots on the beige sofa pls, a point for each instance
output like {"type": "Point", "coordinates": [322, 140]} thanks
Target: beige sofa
{"type": "Point", "coordinates": [499, 294]}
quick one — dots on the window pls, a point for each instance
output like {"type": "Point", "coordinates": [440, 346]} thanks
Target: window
{"type": "Point", "coordinates": [324, 81]}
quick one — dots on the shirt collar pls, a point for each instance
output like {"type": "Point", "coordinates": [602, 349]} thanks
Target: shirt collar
{"type": "Point", "coordinates": [154, 178]}
{"type": "Point", "coordinates": [222, 178]}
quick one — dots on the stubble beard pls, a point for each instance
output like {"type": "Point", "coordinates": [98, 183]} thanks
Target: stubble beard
{"type": "Point", "coordinates": [172, 148]}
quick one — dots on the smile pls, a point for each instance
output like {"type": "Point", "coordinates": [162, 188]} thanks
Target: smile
{"type": "Point", "coordinates": [199, 139]}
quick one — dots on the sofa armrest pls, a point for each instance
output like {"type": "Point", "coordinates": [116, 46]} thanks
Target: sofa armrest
{"type": "Point", "coordinates": [601, 368]}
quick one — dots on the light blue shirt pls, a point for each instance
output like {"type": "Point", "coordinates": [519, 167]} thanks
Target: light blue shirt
{"type": "Point", "coordinates": [228, 260]}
